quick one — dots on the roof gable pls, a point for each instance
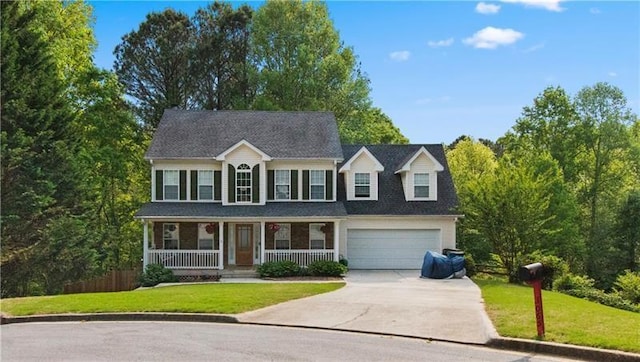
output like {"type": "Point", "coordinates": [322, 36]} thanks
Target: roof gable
{"type": "Point", "coordinates": [243, 143]}
{"type": "Point", "coordinates": [191, 134]}
{"type": "Point", "coordinates": [363, 151]}
{"type": "Point", "coordinates": [406, 165]}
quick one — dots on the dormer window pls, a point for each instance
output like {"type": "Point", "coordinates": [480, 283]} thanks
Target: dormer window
{"type": "Point", "coordinates": [362, 184]}
{"type": "Point", "coordinates": [243, 183]}
{"type": "Point", "coordinates": [421, 185]}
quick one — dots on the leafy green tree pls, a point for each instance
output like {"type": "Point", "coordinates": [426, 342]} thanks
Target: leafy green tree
{"type": "Point", "coordinates": [221, 57]}
{"type": "Point", "coordinates": [509, 208]}
{"type": "Point", "coordinates": [39, 177]}
{"type": "Point", "coordinates": [152, 63]}
{"type": "Point", "coordinates": [627, 239]}
{"type": "Point", "coordinates": [303, 65]}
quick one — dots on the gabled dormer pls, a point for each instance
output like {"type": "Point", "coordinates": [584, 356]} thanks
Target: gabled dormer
{"type": "Point", "coordinates": [419, 175]}
{"type": "Point", "coordinates": [361, 176]}
{"type": "Point", "coordinates": [243, 174]}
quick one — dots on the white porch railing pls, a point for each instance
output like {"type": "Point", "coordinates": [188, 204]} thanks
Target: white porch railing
{"type": "Point", "coordinates": [186, 259]}
{"type": "Point", "coordinates": [301, 257]}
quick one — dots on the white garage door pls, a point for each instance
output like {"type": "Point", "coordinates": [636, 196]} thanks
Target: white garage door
{"type": "Point", "coordinates": [390, 249]}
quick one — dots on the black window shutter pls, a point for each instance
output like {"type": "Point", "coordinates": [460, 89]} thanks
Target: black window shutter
{"type": "Point", "coordinates": [217, 185]}
{"type": "Point", "coordinates": [159, 184]}
{"type": "Point", "coordinates": [255, 184]}
{"type": "Point", "coordinates": [270, 184]}
{"type": "Point", "coordinates": [294, 184]}
{"type": "Point", "coordinates": [329, 185]}
{"type": "Point", "coordinates": [183, 184]}
{"type": "Point", "coordinates": [305, 184]}
{"type": "Point", "coordinates": [232, 184]}
{"type": "Point", "coordinates": [194, 184]}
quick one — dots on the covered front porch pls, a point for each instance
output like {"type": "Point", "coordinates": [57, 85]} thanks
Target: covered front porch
{"type": "Point", "coordinates": [206, 246]}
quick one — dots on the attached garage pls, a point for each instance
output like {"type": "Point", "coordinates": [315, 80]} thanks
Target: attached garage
{"type": "Point", "coordinates": [390, 248]}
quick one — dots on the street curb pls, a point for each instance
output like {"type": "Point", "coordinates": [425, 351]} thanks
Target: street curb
{"type": "Point", "coordinates": [123, 317]}
{"type": "Point", "coordinates": [562, 350]}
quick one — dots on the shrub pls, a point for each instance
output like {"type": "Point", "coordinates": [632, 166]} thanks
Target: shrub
{"type": "Point", "coordinates": [627, 286]}
{"type": "Point", "coordinates": [278, 269]}
{"type": "Point", "coordinates": [609, 299]}
{"type": "Point", "coordinates": [572, 282]}
{"type": "Point", "coordinates": [344, 261]}
{"type": "Point", "coordinates": [470, 265]}
{"type": "Point", "coordinates": [155, 274]}
{"type": "Point", "coordinates": [326, 268]}
{"type": "Point", "coordinates": [555, 267]}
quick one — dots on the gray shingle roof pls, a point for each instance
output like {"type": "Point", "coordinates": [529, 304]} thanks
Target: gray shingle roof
{"type": "Point", "coordinates": [391, 199]}
{"type": "Point", "coordinates": [213, 210]}
{"type": "Point", "coordinates": [206, 134]}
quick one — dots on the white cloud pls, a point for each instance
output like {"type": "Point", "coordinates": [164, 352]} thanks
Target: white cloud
{"type": "Point", "coordinates": [400, 56]}
{"type": "Point", "coordinates": [484, 8]}
{"type": "Point", "coordinates": [491, 38]}
{"type": "Point", "coordinates": [594, 11]}
{"type": "Point", "coordinates": [534, 48]}
{"type": "Point", "coordinates": [440, 43]}
{"type": "Point", "coordinates": [613, 74]}
{"type": "Point", "coordinates": [551, 5]}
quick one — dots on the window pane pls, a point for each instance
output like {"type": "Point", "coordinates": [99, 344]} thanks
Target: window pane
{"type": "Point", "coordinates": [282, 177]}
{"type": "Point", "coordinates": [206, 192]}
{"type": "Point", "coordinates": [317, 192]}
{"type": "Point", "coordinates": [282, 244]}
{"type": "Point", "coordinates": [421, 191]}
{"type": "Point", "coordinates": [171, 192]}
{"type": "Point", "coordinates": [316, 236]}
{"type": "Point", "coordinates": [362, 191]}
{"type": "Point", "coordinates": [283, 237]}
{"type": "Point", "coordinates": [362, 179]}
{"type": "Point", "coordinates": [316, 244]}
{"type": "Point", "coordinates": [170, 235]}
{"type": "Point", "coordinates": [171, 177]}
{"type": "Point", "coordinates": [206, 244]}
{"type": "Point", "coordinates": [317, 177]}
{"type": "Point", "coordinates": [421, 179]}
{"type": "Point", "coordinates": [205, 177]}
{"type": "Point", "coordinates": [282, 192]}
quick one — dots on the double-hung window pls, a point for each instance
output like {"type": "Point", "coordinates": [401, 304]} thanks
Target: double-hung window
{"type": "Point", "coordinates": [205, 240]}
{"type": "Point", "coordinates": [421, 185]}
{"type": "Point", "coordinates": [282, 237]}
{"type": "Point", "coordinates": [205, 185]}
{"type": "Point", "coordinates": [243, 183]}
{"type": "Point", "coordinates": [316, 184]}
{"type": "Point", "coordinates": [316, 236]}
{"type": "Point", "coordinates": [362, 185]}
{"type": "Point", "coordinates": [283, 184]}
{"type": "Point", "coordinates": [171, 184]}
{"type": "Point", "coordinates": [170, 236]}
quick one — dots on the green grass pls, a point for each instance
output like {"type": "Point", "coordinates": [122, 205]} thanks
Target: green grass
{"type": "Point", "coordinates": [567, 319]}
{"type": "Point", "coordinates": [201, 298]}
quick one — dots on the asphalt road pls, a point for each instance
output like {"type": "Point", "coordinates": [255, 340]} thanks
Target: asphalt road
{"type": "Point", "coordinates": [172, 341]}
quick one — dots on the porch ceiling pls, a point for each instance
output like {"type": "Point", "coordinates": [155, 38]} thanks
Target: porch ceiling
{"type": "Point", "coordinates": [274, 209]}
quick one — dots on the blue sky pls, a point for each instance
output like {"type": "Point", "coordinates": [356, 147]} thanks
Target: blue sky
{"type": "Point", "coordinates": [442, 69]}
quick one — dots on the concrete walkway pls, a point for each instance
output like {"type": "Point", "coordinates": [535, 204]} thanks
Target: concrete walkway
{"type": "Point", "coordinates": [390, 302]}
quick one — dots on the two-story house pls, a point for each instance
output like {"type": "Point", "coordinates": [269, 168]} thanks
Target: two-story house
{"type": "Point", "coordinates": [240, 188]}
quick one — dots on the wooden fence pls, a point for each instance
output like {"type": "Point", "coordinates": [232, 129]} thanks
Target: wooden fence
{"type": "Point", "coordinates": [114, 281]}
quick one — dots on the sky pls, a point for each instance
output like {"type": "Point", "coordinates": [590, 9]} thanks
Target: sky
{"type": "Point", "coordinates": [442, 69]}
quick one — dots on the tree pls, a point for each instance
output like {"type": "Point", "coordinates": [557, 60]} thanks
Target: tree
{"type": "Point", "coordinates": [627, 240]}
{"type": "Point", "coordinates": [303, 65]}
{"type": "Point", "coordinates": [221, 57]}
{"type": "Point", "coordinates": [39, 177]}
{"type": "Point", "coordinates": [509, 208]}
{"type": "Point", "coordinates": [153, 64]}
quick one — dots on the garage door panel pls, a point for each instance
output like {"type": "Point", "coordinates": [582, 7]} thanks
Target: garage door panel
{"type": "Point", "coordinates": [390, 249]}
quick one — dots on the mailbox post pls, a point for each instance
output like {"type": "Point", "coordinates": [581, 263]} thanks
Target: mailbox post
{"type": "Point", "coordinates": [533, 274]}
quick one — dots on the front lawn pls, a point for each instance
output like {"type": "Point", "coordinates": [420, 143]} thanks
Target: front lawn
{"type": "Point", "coordinates": [200, 298]}
{"type": "Point", "coordinates": [567, 319]}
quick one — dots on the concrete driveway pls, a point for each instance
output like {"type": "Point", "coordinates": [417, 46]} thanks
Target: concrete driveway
{"type": "Point", "coordinates": [391, 301]}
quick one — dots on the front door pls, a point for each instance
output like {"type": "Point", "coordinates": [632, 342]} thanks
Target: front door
{"type": "Point", "coordinates": [244, 244]}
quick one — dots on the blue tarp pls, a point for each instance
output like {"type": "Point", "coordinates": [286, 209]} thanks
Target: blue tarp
{"type": "Point", "coordinates": [438, 266]}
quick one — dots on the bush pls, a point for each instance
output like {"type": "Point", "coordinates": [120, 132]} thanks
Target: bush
{"type": "Point", "coordinates": [326, 268]}
{"type": "Point", "coordinates": [609, 299]}
{"type": "Point", "coordinates": [572, 282]}
{"type": "Point", "coordinates": [155, 274]}
{"type": "Point", "coordinates": [344, 261]}
{"type": "Point", "coordinates": [555, 267]}
{"type": "Point", "coordinates": [470, 265]}
{"type": "Point", "coordinates": [279, 269]}
{"type": "Point", "coordinates": [627, 286]}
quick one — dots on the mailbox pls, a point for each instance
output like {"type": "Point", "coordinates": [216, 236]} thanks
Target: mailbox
{"type": "Point", "coordinates": [531, 272]}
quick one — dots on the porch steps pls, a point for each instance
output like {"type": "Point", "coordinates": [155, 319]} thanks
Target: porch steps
{"type": "Point", "coordinates": [238, 273]}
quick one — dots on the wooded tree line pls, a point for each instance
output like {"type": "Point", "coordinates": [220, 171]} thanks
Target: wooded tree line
{"type": "Point", "coordinates": [565, 181]}
{"type": "Point", "coordinates": [73, 172]}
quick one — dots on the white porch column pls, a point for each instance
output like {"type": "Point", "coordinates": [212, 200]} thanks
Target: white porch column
{"type": "Point", "coordinates": [263, 238]}
{"type": "Point", "coordinates": [336, 240]}
{"type": "Point", "coordinates": [221, 243]}
{"type": "Point", "coordinates": [145, 242]}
